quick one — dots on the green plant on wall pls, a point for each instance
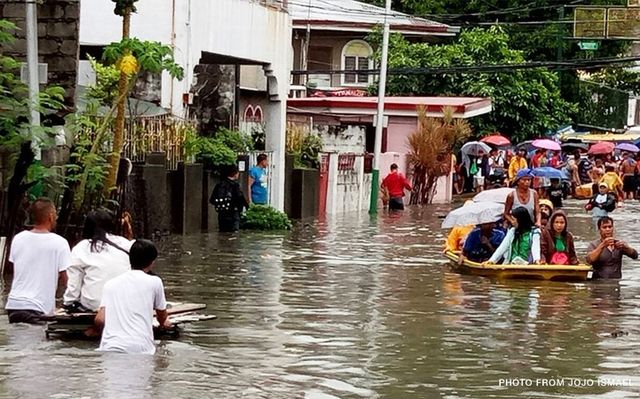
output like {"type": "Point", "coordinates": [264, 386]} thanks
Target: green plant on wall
{"type": "Point", "coordinates": [263, 217]}
{"type": "Point", "coordinates": [304, 146]}
{"type": "Point", "coordinates": [217, 151]}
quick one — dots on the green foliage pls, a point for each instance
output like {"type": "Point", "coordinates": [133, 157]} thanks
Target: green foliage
{"type": "Point", "coordinates": [84, 161]}
{"type": "Point", "coordinates": [310, 151]}
{"type": "Point", "coordinates": [618, 78]}
{"type": "Point", "coordinates": [153, 57]}
{"type": "Point", "coordinates": [105, 91]}
{"type": "Point", "coordinates": [235, 140]}
{"type": "Point", "coordinates": [217, 151]}
{"type": "Point", "coordinates": [123, 5]}
{"type": "Point", "coordinates": [263, 217]}
{"type": "Point", "coordinates": [527, 103]}
{"type": "Point", "coordinates": [538, 42]}
{"type": "Point", "coordinates": [602, 105]}
{"type": "Point", "coordinates": [305, 147]}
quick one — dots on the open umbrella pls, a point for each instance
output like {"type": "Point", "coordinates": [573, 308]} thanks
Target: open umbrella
{"type": "Point", "coordinates": [570, 146]}
{"type": "Point", "coordinates": [497, 140]}
{"type": "Point", "coordinates": [474, 213]}
{"type": "Point", "coordinates": [547, 171]}
{"type": "Point", "coordinates": [525, 145]}
{"type": "Point", "coordinates": [602, 148]}
{"type": "Point", "coordinates": [496, 195]}
{"type": "Point", "coordinates": [475, 148]}
{"type": "Point", "coordinates": [546, 144]}
{"type": "Point", "coordinates": [628, 147]}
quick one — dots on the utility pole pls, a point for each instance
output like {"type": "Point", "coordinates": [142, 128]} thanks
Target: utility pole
{"type": "Point", "coordinates": [382, 86]}
{"type": "Point", "coordinates": [32, 68]}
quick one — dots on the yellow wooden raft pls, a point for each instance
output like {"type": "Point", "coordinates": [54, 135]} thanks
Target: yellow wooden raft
{"type": "Point", "coordinates": [530, 272]}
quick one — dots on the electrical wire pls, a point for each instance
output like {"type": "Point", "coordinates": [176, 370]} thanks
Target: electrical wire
{"type": "Point", "coordinates": [486, 68]}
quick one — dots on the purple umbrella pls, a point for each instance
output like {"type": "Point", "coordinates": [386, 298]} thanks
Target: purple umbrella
{"type": "Point", "coordinates": [627, 147]}
{"type": "Point", "coordinates": [546, 144]}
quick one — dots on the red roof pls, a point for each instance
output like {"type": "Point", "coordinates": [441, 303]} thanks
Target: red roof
{"type": "Point", "coordinates": [461, 105]}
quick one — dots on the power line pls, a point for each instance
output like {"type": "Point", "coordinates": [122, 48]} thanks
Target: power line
{"type": "Point", "coordinates": [486, 68]}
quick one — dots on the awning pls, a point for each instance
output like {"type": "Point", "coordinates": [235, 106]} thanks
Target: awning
{"type": "Point", "coordinates": [463, 107]}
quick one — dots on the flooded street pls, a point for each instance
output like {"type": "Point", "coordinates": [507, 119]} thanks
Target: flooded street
{"type": "Point", "coordinates": [356, 308]}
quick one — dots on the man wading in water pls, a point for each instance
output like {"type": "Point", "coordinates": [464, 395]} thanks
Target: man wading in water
{"type": "Point", "coordinates": [40, 259]}
{"type": "Point", "coordinates": [605, 254]}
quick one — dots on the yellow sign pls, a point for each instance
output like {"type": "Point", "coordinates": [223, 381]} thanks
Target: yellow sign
{"type": "Point", "coordinates": [590, 22]}
{"type": "Point", "coordinates": [633, 3]}
{"type": "Point", "coordinates": [624, 23]}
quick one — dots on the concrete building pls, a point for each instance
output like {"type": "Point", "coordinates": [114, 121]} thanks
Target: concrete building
{"type": "Point", "coordinates": [329, 39]}
{"type": "Point", "coordinates": [212, 40]}
{"type": "Point", "coordinates": [331, 36]}
{"type": "Point", "coordinates": [57, 40]}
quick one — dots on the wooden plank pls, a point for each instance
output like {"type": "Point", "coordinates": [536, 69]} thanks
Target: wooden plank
{"type": "Point", "coordinates": [172, 309]}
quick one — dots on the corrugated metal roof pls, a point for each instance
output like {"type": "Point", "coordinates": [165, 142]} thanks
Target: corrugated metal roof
{"type": "Point", "coordinates": [357, 16]}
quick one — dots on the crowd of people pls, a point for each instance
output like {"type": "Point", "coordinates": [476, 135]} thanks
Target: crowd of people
{"type": "Point", "coordinates": [535, 230]}
{"type": "Point", "coordinates": [620, 171]}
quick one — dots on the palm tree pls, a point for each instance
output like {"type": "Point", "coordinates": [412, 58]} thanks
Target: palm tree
{"type": "Point", "coordinates": [431, 149]}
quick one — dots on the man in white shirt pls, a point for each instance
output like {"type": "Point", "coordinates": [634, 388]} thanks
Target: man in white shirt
{"type": "Point", "coordinates": [40, 259]}
{"type": "Point", "coordinates": [128, 303]}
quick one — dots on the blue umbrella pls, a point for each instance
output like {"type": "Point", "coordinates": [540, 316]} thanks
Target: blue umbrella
{"type": "Point", "coordinates": [547, 171]}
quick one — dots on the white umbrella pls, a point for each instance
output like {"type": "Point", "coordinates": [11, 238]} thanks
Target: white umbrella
{"type": "Point", "coordinates": [474, 213]}
{"type": "Point", "coordinates": [496, 195]}
{"type": "Point", "coordinates": [475, 148]}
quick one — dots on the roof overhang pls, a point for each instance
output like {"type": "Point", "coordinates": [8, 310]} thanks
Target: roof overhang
{"type": "Point", "coordinates": [364, 27]}
{"type": "Point", "coordinates": [463, 107]}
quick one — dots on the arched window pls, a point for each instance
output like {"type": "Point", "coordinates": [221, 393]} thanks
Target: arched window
{"type": "Point", "coordinates": [248, 113]}
{"type": "Point", "coordinates": [356, 55]}
{"type": "Point", "coordinates": [257, 114]}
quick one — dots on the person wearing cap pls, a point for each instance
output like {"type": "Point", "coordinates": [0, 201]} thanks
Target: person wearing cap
{"type": "Point", "coordinates": [601, 203]}
{"type": "Point", "coordinates": [519, 162]}
{"type": "Point", "coordinates": [546, 209]}
{"type": "Point", "coordinates": [523, 196]}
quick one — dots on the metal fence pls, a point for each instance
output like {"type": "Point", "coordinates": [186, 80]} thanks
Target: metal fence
{"type": "Point", "coordinates": [156, 134]}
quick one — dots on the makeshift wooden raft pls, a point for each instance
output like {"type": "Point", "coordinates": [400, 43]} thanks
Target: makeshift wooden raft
{"type": "Point", "coordinates": [77, 325]}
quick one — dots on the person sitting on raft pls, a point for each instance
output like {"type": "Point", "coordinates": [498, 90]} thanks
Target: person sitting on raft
{"type": "Point", "coordinates": [98, 258]}
{"type": "Point", "coordinates": [556, 247]}
{"type": "Point", "coordinates": [522, 242]}
{"type": "Point", "coordinates": [457, 235]}
{"type": "Point", "coordinates": [523, 196]}
{"type": "Point", "coordinates": [546, 209]}
{"type": "Point", "coordinates": [482, 242]}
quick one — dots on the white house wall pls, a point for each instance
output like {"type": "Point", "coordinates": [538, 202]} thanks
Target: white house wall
{"type": "Point", "coordinates": [341, 139]}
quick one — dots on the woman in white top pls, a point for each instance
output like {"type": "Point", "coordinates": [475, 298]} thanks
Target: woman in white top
{"type": "Point", "coordinates": [95, 260]}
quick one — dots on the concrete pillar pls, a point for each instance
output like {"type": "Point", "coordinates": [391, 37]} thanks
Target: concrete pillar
{"type": "Point", "coordinates": [332, 190]}
{"type": "Point", "coordinates": [276, 125]}
{"type": "Point", "coordinates": [360, 168]}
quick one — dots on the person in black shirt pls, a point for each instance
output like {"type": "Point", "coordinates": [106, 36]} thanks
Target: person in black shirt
{"type": "Point", "coordinates": [555, 193]}
{"type": "Point", "coordinates": [229, 200]}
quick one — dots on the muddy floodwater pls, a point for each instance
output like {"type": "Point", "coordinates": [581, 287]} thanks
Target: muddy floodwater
{"type": "Point", "coordinates": [355, 307]}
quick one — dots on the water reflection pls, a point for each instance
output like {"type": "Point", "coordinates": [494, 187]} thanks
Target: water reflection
{"type": "Point", "coordinates": [355, 307]}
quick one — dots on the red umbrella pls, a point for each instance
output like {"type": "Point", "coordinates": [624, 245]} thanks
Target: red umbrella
{"type": "Point", "coordinates": [602, 148]}
{"type": "Point", "coordinates": [496, 139]}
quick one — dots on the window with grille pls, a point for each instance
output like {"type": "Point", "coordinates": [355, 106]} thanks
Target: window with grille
{"type": "Point", "coordinates": [356, 56]}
